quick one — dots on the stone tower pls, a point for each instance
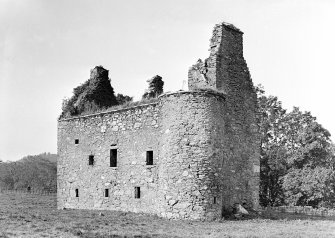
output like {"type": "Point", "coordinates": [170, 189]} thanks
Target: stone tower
{"type": "Point", "coordinates": [225, 70]}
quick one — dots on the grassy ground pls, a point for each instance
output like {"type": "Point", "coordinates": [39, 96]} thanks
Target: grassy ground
{"type": "Point", "coordinates": [28, 215]}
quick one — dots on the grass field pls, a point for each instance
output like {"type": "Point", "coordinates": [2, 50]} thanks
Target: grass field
{"type": "Point", "coordinates": [29, 215]}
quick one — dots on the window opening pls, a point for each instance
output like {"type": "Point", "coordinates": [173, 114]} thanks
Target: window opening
{"type": "Point", "coordinates": [76, 141]}
{"type": "Point", "coordinates": [150, 157]}
{"type": "Point", "coordinates": [91, 160]}
{"type": "Point", "coordinates": [113, 157]}
{"type": "Point", "coordinates": [106, 192]}
{"type": "Point", "coordinates": [137, 192]}
{"type": "Point", "coordinates": [77, 192]}
{"type": "Point", "coordinates": [214, 200]}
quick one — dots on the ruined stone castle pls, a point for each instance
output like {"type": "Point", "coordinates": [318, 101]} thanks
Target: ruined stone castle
{"type": "Point", "coordinates": [190, 155]}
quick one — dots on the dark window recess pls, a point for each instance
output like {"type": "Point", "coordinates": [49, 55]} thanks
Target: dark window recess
{"type": "Point", "coordinates": [76, 141]}
{"type": "Point", "coordinates": [91, 160]}
{"type": "Point", "coordinates": [113, 157]}
{"type": "Point", "coordinates": [77, 192]}
{"type": "Point", "coordinates": [214, 200]}
{"type": "Point", "coordinates": [106, 192]}
{"type": "Point", "coordinates": [247, 185]}
{"type": "Point", "coordinates": [150, 157]}
{"type": "Point", "coordinates": [137, 192]}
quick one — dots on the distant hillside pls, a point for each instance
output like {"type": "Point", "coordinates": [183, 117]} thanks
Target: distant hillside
{"type": "Point", "coordinates": [39, 172]}
{"type": "Point", "coordinates": [45, 156]}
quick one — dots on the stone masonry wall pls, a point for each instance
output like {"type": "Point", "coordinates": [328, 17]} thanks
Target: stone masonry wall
{"type": "Point", "coordinates": [190, 166]}
{"type": "Point", "coordinates": [226, 70]}
{"type": "Point", "coordinates": [185, 130]}
{"type": "Point", "coordinates": [132, 132]}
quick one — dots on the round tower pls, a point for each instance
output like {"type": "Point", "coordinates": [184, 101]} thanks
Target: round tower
{"type": "Point", "coordinates": [190, 155]}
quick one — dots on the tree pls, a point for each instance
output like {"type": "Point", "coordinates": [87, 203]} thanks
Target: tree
{"type": "Point", "coordinates": [273, 151]}
{"type": "Point", "coordinates": [297, 157]}
{"type": "Point", "coordinates": [155, 87]}
{"type": "Point", "coordinates": [310, 186]}
{"type": "Point", "coordinates": [310, 178]}
{"type": "Point", "coordinates": [122, 99]}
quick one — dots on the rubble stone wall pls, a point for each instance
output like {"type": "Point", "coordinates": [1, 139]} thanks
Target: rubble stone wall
{"type": "Point", "coordinates": [226, 70]}
{"type": "Point", "coordinates": [132, 132]}
{"type": "Point", "coordinates": [307, 210]}
{"type": "Point", "coordinates": [190, 166]}
{"type": "Point", "coordinates": [185, 131]}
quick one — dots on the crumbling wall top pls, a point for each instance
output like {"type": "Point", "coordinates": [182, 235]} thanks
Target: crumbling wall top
{"type": "Point", "coordinates": [99, 72]}
{"type": "Point", "coordinates": [230, 26]}
{"type": "Point", "coordinates": [226, 49]}
{"type": "Point", "coordinates": [208, 92]}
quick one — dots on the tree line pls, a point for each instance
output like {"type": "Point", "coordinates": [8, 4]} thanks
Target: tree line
{"type": "Point", "coordinates": [38, 172]}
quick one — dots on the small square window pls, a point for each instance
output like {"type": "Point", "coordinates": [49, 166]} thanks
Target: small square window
{"type": "Point", "coordinates": [77, 192]}
{"type": "Point", "coordinates": [76, 141]}
{"type": "Point", "coordinates": [150, 157]}
{"type": "Point", "coordinates": [137, 192]}
{"type": "Point", "coordinates": [106, 192]}
{"type": "Point", "coordinates": [91, 160]}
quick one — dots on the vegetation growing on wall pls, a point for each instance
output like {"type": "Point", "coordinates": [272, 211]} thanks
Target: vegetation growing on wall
{"type": "Point", "coordinates": [94, 94]}
{"type": "Point", "coordinates": [297, 157]}
{"type": "Point", "coordinates": [97, 95]}
{"type": "Point", "coordinates": [122, 99]}
{"type": "Point", "coordinates": [155, 87]}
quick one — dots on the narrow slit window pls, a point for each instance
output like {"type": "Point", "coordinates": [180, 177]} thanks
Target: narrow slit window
{"type": "Point", "coordinates": [91, 160]}
{"type": "Point", "coordinates": [150, 157]}
{"type": "Point", "coordinates": [214, 200]}
{"type": "Point", "coordinates": [113, 158]}
{"type": "Point", "coordinates": [76, 141]}
{"type": "Point", "coordinates": [106, 192]}
{"type": "Point", "coordinates": [77, 192]}
{"type": "Point", "coordinates": [137, 192]}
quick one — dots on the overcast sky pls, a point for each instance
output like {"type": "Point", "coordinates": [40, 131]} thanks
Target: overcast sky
{"type": "Point", "coordinates": [48, 47]}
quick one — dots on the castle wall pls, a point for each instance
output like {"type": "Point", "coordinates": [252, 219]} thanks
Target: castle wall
{"type": "Point", "coordinates": [185, 131]}
{"type": "Point", "coordinates": [132, 132]}
{"type": "Point", "coordinates": [243, 141]}
{"type": "Point", "coordinates": [225, 70]}
{"type": "Point", "coordinates": [190, 164]}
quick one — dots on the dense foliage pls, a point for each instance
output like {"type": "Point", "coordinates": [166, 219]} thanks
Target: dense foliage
{"type": "Point", "coordinates": [123, 99]}
{"type": "Point", "coordinates": [297, 157]}
{"type": "Point", "coordinates": [155, 87]}
{"type": "Point", "coordinates": [38, 172]}
{"type": "Point", "coordinates": [96, 93]}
